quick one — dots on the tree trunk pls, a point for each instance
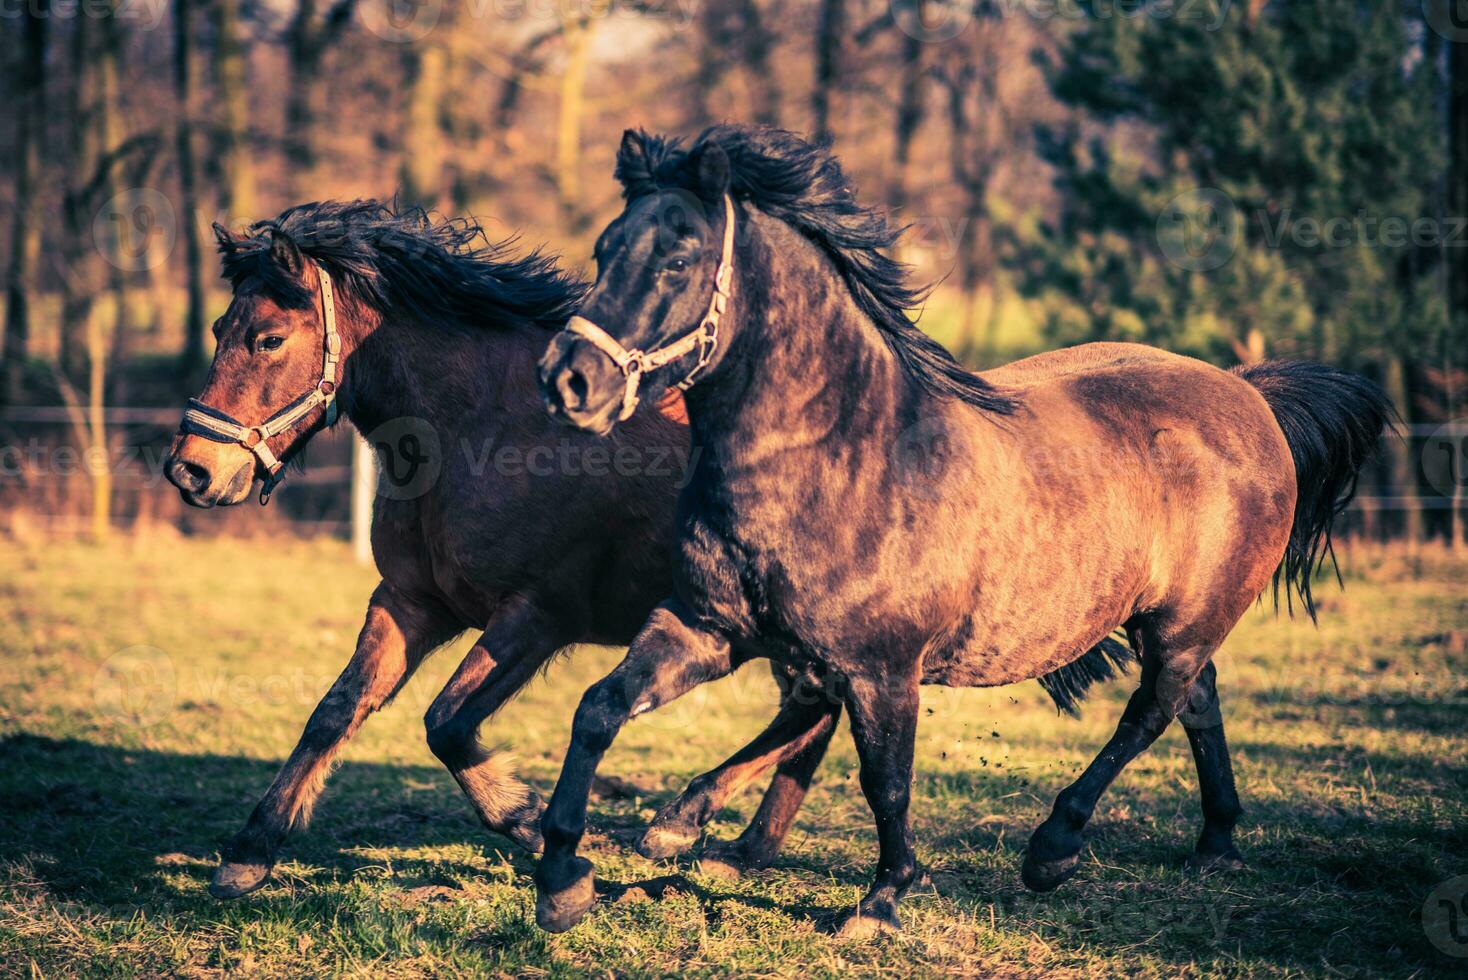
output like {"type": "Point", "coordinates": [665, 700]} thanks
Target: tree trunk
{"type": "Point", "coordinates": [24, 230]}
{"type": "Point", "coordinates": [78, 258]}
{"type": "Point", "coordinates": [909, 117]}
{"type": "Point", "coordinates": [231, 128]}
{"type": "Point", "coordinates": [1457, 180]}
{"type": "Point", "coordinates": [977, 264]}
{"type": "Point", "coordinates": [568, 130]}
{"type": "Point", "coordinates": [188, 224]}
{"type": "Point", "coordinates": [830, 29]}
{"type": "Point", "coordinates": [109, 128]}
{"type": "Point", "coordinates": [300, 107]}
{"type": "Point", "coordinates": [757, 45]}
{"type": "Point", "coordinates": [420, 172]}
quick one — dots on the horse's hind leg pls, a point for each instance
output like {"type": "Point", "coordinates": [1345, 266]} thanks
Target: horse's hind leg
{"type": "Point", "coordinates": [762, 839]}
{"type": "Point", "coordinates": [520, 638]}
{"type": "Point", "coordinates": [793, 744]}
{"type": "Point", "coordinates": [395, 639]}
{"type": "Point", "coordinates": [1054, 851]}
{"type": "Point", "coordinates": [1203, 721]}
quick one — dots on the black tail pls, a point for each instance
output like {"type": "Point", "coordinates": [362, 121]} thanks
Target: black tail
{"type": "Point", "coordinates": [1068, 685]}
{"type": "Point", "coordinates": [1332, 421]}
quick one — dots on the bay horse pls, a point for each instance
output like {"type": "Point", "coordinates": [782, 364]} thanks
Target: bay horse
{"type": "Point", "coordinates": [871, 516]}
{"type": "Point", "coordinates": [414, 330]}
{"type": "Point", "coordinates": [424, 338]}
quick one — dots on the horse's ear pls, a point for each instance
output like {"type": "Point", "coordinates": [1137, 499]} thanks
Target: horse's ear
{"type": "Point", "coordinates": [711, 169]}
{"type": "Point", "coordinates": [284, 253]}
{"type": "Point", "coordinates": [633, 167]}
{"type": "Point", "coordinates": [225, 239]}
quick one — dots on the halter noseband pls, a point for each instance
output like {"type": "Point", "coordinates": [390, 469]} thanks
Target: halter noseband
{"type": "Point", "coordinates": [635, 363]}
{"type": "Point", "coordinates": [210, 423]}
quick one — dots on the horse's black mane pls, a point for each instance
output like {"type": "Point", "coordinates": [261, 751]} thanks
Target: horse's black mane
{"type": "Point", "coordinates": [407, 261]}
{"type": "Point", "coordinates": [802, 184]}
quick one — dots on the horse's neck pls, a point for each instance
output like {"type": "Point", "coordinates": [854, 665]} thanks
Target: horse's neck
{"type": "Point", "coordinates": [403, 368]}
{"type": "Point", "coordinates": [804, 361]}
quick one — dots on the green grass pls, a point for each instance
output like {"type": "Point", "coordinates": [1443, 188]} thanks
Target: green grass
{"type": "Point", "coordinates": [1349, 741]}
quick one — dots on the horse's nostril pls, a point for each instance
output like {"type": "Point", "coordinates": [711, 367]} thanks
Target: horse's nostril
{"type": "Point", "coordinates": [573, 388]}
{"type": "Point", "coordinates": [191, 476]}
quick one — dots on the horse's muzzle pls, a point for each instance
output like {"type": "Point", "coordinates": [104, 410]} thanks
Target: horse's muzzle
{"type": "Point", "coordinates": [206, 477]}
{"type": "Point", "coordinates": [581, 388]}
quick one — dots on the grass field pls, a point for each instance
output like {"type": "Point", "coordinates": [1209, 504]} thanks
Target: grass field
{"type": "Point", "coordinates": [150, 688]}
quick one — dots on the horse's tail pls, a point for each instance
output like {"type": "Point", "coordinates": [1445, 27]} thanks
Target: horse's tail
{"type": "Point", "coordinates": [1332, 421]}
{"type": "Point", "coordinates": [1067, 686]}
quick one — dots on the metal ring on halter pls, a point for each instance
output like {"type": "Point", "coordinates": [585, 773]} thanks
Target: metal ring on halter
{"type": "Point", "coordinates": [635, 363]}
{"type": "Point", "coordinates": [210, 423]}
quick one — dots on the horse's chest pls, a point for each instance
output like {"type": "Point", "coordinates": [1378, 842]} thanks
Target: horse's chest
{"type": "Point", "coordinates": [739, 576]}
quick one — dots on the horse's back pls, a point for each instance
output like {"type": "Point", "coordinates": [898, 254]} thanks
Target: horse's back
{"type": "Point", "coordinates": [1081, 359]}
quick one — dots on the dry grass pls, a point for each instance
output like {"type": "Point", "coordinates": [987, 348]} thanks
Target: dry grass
{"type": "Point", "coordinates": [1350, 744]}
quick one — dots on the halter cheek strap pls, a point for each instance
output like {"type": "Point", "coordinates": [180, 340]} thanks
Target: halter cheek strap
{"type": "Point", "coordinates": [635, 363]}
{"type": "Point", "coordinates": [210, 423]}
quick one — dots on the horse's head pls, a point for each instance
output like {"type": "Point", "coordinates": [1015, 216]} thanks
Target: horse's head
{"type": "Point", "coordinates": [664, 270]}
{"type": "Point", "coordinates": [274, 376]}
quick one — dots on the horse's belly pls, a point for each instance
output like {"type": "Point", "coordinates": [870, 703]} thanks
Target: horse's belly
{"type": "Point", "coordinates": [990, 650]}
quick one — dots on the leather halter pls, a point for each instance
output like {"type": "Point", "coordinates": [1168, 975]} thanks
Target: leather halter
{"type": "Point", "coordinates": [210, 423]}
{"type": "Point", "coordinates": [635, 363]}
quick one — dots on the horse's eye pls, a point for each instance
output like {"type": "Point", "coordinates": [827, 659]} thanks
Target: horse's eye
{"type": "Point", "coordinates": [271, 343]}
{"type": "Point", "coordinates": [677, 265]}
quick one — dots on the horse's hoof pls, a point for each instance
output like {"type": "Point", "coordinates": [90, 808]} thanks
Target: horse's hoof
{"type": "Point", "coordinates": [1045, 876]}
{"type": "Point", "coordinates": [861, 925]}
{"type": "Point", "coordinates": [235, 878]}
{"type": "Point", "coordinates": [558, 907]}
{"type": "Point", "coordinates": [662, 841]}
{"type": "Point", "coordinates": [1206, 864]}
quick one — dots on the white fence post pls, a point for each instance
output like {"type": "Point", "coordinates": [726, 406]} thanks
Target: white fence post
{"type": "Point", "coordinates": [364, 488]}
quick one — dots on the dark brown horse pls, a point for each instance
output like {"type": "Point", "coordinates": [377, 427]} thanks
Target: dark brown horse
{"type": "Point", "coordinates": [495, 531]}
{"type": "Point", "coordinates": [872, 517]}
{"type": "Point", "coordinates": [489, 517]}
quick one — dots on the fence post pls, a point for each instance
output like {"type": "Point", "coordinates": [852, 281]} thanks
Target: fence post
{"type": "Point", "coordinates": [364, 488]}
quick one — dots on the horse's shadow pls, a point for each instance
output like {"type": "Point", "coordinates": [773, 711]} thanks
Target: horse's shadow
{"type": "Point", "coordinates": [112, 827]}
{"type": "Point", "coordinates": [97, 821]}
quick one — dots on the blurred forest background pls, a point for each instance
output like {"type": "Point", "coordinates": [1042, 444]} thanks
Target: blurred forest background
{"type": "Point", "coordinates": [1232, 179]}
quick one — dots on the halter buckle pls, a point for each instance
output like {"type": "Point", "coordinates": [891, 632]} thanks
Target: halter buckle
{"type": "Point", "coordinates": [253, 437]}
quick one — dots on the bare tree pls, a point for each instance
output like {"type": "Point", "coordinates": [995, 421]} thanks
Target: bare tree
{"type": "Point", "coordinates": [188, 200]}
{"type": "Point", "coordinates": [987, 78]}
{"type": "Point", "coordinates": [231, 145]}
{"type": "Point", "coordinates": [830, 30]}
{"type": "Point", "coordinates": [29, 107]}
{"type": "Point", "coordinates": [308, 39]}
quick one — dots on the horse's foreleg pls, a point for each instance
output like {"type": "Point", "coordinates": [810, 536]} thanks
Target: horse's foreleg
{"type": "Point", "coordinates": [395, 638]}
{"type": "Point", "coordinates": [518, 641]}
{"type": "Point", "coordinates": [794, 742]}
{"type": "Point", "coordinates": [1203, 721]}
{"type": "Point", "coordinates": [884, 713]}
{"type": "Point", "coordinates": [1054, 851]}
{"type": "Point", "coordinates": [669, 657]}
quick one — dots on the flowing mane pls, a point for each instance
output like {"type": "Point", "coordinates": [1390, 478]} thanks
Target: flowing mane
{"type": "Point", "coordinates": [802, 184]}
{"type": "Point", "coordinates": [406, 260]}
